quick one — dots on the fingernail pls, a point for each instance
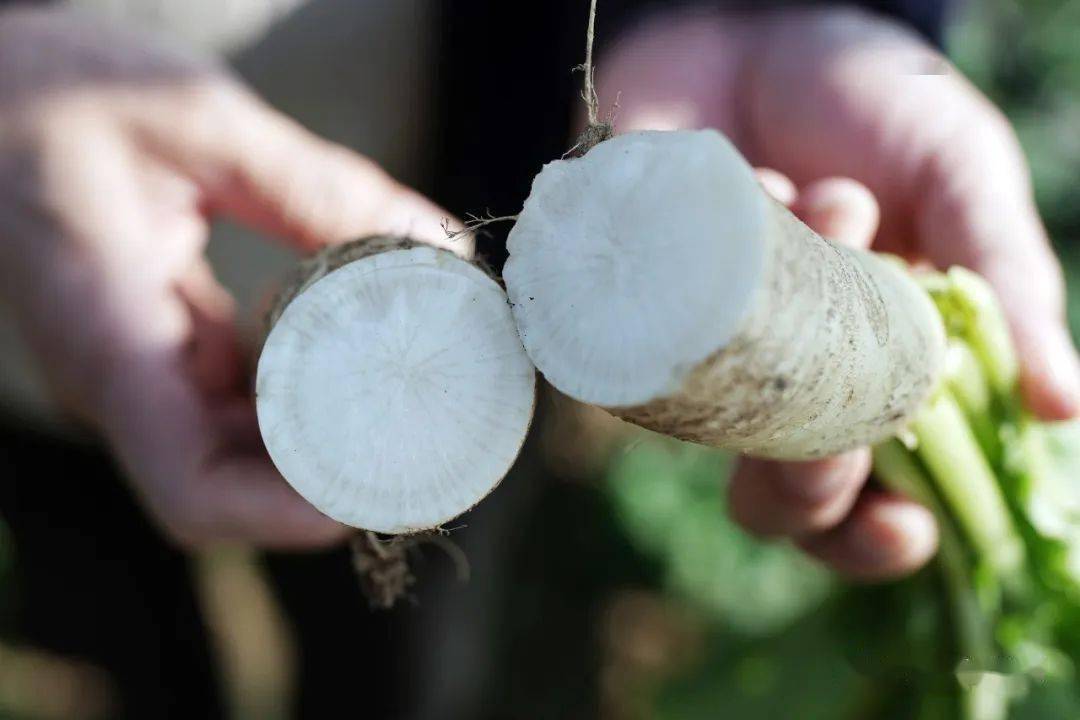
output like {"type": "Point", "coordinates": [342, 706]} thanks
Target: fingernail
{"type": "Point", "coordinates": [779, 186]}
{"type": "Point", "coordinates": [817, 481]}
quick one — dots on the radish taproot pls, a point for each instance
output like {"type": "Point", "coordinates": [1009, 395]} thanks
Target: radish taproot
{"type": "Point", "coordinates": [392, 390]}
{"type": "Point", "coordinates": [654, 277]}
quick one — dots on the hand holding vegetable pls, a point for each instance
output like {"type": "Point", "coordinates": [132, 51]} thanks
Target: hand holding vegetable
{"type": "Point", "coordinates": [114, 156]}
{"type": "Point", "coordinates": [837, 92]}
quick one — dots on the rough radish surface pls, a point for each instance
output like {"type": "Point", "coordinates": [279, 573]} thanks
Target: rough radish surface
{"type": "Point", "coordinates": [394, 393]}
{"type": "Point", "coordinates": [654, 277]}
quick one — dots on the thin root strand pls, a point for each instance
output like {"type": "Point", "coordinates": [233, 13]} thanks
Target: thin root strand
{"type": "Point", "coordinates": [474, 223]}
{"type": "Point", "coordinates": [597, 131]}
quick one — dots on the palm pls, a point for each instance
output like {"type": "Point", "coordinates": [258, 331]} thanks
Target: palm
{"type": "Point", "coordinates": [824, 93]}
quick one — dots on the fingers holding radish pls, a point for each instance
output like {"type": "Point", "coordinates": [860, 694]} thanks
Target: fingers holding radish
{"type": "Point", "coordinates": [864, 534]}
{"type": "Point", "coordinates": [799, 498]}
{"type": "Point", "coordinates": [822, 501]}
{"type": "Point", "coordinates": [884, 537]}
{"type": "Point", "coordinates": [840, 209]}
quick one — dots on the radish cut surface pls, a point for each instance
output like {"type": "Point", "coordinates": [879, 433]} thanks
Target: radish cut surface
{"type": "Point", "coordinates": [634, 263]}
{"type": "Point", "coordinates": [393, 393]}
{"type": "Point", "coordinates": [654, 277]}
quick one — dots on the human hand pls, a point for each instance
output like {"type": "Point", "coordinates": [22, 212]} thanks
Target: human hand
{"type": "Point", "coordinates": [114, 156]}
{"type": "Point", "coordinates": [838, 92]}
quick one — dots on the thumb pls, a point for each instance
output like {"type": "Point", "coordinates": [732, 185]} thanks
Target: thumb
{"type": "Point", "coordinates": [267, 171]}
{"type": "Point", "coordinates": [1032, 296]}
{"type": "Point", "coordinates": [978, 211]}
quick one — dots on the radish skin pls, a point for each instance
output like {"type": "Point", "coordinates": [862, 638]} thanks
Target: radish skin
{"type": "Point", "coordinates": [655, 278]}
{"type": "Point", "coordinates": [392, 390]}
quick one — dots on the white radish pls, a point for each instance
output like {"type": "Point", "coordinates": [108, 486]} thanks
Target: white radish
{"type": "Point", "coordinates": [393, 391]}
{"type": "Point", "coordinates": [655, 278]}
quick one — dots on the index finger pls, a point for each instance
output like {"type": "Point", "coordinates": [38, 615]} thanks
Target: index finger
{"type": "Point", "coordinates": [266, 170]}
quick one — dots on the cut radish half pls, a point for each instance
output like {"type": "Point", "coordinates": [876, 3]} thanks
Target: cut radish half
{"type": "Point", "coordinates": [393, 391]}
{"type": "Point", "coordinates": [654, 277]}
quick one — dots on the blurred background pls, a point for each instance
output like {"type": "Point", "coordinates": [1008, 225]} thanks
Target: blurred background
{"type": "Point", "coordinates": [607, 583]}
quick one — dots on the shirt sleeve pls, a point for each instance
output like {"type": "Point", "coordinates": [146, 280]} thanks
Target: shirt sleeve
{"type": "Point", "coordinates": [927, 17]}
